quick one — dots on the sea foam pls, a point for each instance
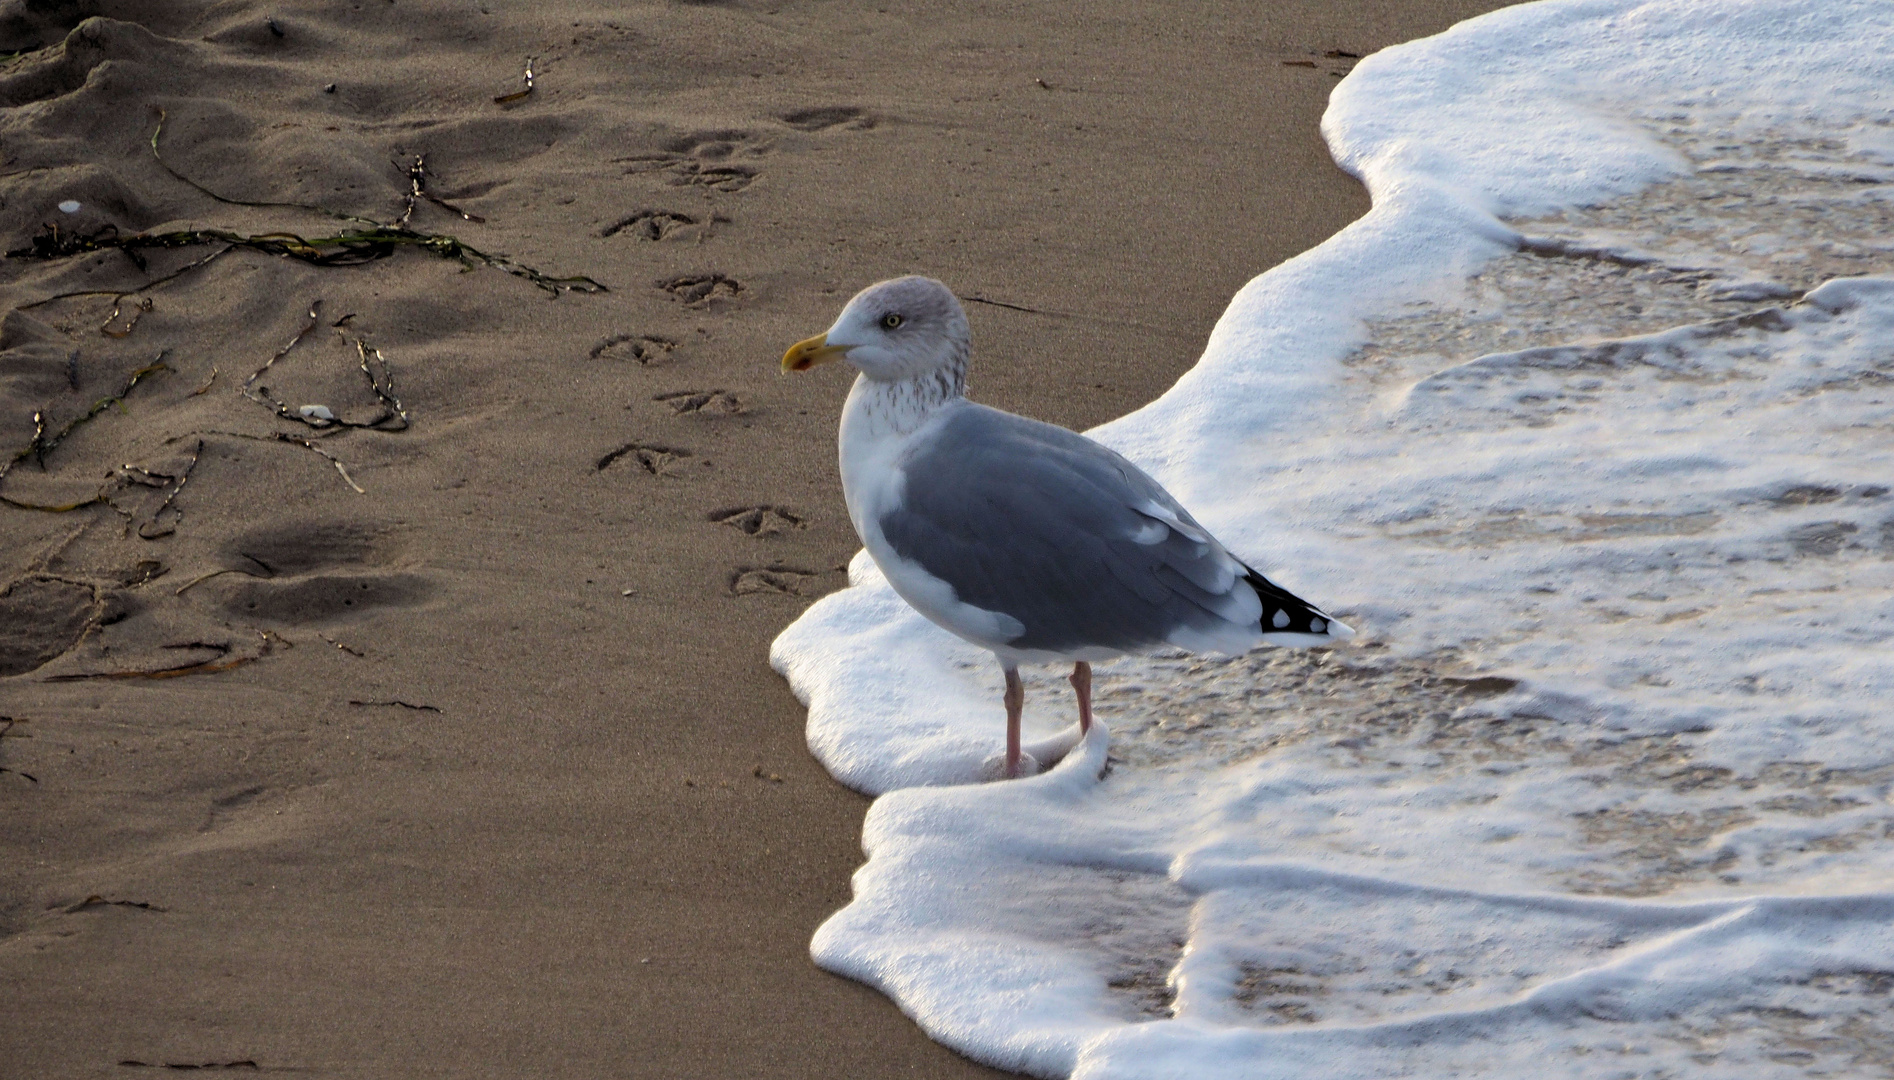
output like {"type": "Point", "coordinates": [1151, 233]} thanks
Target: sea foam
{"type": "Point", "coordinates": [1586, 427]}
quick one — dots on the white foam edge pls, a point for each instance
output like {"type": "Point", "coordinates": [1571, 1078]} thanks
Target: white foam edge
{"type": "Point", "coordinates": [895, 702]}
{"type": "Point", "coordinates": [1037, 982]}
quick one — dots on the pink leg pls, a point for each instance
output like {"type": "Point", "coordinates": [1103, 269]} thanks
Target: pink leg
{"type": "Point", "coordinates": [1082, 682]}
{"type": "Point", "coordinates": [1015, 705]}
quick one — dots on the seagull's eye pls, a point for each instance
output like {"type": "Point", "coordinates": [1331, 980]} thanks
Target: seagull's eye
{"type": "Point", "coordinates": [891, 320]}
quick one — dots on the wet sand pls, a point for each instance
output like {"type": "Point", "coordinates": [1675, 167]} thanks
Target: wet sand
{"type": "Point", "coordinates": [480, 770]}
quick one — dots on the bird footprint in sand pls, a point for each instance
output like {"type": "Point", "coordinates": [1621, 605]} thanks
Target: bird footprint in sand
{"type": "Point", "coordinates": [759, 520]}
{"type": "Point", "coordinates": [782, 580]}
{"type": "Point", "coordinates": [651, 458]}
{"type": "Point", "coordinates": [646, 350]}
{"type": "Point", "coordinates": [649, 225]}
{"type": "Point", "coordinates": [702, 289]}
{"type": "Point", "coordinates": [705, 402]}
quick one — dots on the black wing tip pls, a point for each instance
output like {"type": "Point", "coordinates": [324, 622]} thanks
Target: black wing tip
{"type": "Point", "coordinates": [1286, 613]}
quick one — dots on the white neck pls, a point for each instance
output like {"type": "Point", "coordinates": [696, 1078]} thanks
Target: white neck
{"type": "Point", "coordinates": [894, 409]}
{"type": "Point", "coordinates": [877, 422]}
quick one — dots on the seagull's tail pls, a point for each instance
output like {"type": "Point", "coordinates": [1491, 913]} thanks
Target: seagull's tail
{"type": "Point", "coordinates": [1290, 620]}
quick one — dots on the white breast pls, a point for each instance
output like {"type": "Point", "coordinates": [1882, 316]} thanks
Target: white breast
{"type": "Point", "coordinates": [878, 425]}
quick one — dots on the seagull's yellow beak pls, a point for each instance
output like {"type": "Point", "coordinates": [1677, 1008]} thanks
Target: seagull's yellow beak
{"type": "Point", "coordinates": [806, 354]}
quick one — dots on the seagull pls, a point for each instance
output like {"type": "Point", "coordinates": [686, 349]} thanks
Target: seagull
{"type": "Point", "coordinates": [1024, 538]}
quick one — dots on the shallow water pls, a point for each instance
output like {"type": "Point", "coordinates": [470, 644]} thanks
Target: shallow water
{"type": "Point", "coordinates": [1606, 786]}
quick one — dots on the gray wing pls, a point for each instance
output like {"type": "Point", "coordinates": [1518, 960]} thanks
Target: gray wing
{"type": "Point", "coordinates": [1066, 536]}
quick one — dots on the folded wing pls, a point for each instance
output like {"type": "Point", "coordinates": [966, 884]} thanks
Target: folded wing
{"type": "Point", "coordinates": [1078, 544]}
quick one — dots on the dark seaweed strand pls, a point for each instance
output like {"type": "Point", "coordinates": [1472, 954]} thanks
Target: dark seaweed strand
{"type": "Point", "coordinates": [202, 190]}
{"type": "Point", "coordinates": [154, 528]}
{"type": "Point", "coordinates": [41, 444]}
{"type": "Point", "coordinates": [386, 237]}
{"type": "Point", "coordinates": [374, 367]}
{"type": "Point", "coordinates": [417, 189]}
{"type": "Point", "coordinates": [351, 248]}
{"type": "Point", "coordinates": [119, 294]}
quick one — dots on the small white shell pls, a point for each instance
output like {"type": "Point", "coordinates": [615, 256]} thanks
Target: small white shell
{"type": "Point", "coordinates": [70, 206]}
{"type": "Point", "coordinates": [316, 412]}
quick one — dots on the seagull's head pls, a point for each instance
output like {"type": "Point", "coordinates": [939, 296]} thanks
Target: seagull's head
{"type": "Point", "coordinates": [893, 331]}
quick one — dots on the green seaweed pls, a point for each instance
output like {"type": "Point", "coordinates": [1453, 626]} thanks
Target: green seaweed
{"type": "Point", "coordinates": [202, 190]}
{"type": "Point", "coordinates": [417, 189]}
{"type": "Point", "coordinates": [525, 91]}
{"type": "Point", "coordinates": [156, 527]}
{"type": "Point", "coordinates": [120, 294]}
{"type": "Point", "coordinates": [349, 248]}
{"type": "Point", "coordinates": [374, 368]}
{"type": "Point", "coordinates": [370, 241]}
{"type": "Point", "coordinates": [42, 444]}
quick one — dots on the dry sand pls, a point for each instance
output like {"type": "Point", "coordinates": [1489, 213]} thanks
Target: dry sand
{"type": "Point", "coordinates": [481, 771]}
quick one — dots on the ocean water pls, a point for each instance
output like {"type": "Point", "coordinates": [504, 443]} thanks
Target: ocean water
{"type": "Point", "coordinates": [1588, 428]}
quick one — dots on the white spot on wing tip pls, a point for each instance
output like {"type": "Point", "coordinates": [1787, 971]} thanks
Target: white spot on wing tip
{"type": "Point", "coordinates": [1280, 619]}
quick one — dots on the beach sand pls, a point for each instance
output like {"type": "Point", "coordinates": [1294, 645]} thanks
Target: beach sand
{"type": "Point", "coordinates": [481, 771]}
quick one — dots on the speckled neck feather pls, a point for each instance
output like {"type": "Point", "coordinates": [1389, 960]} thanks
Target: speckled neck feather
{"type": "Point", "coordinates": [900, 407]}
